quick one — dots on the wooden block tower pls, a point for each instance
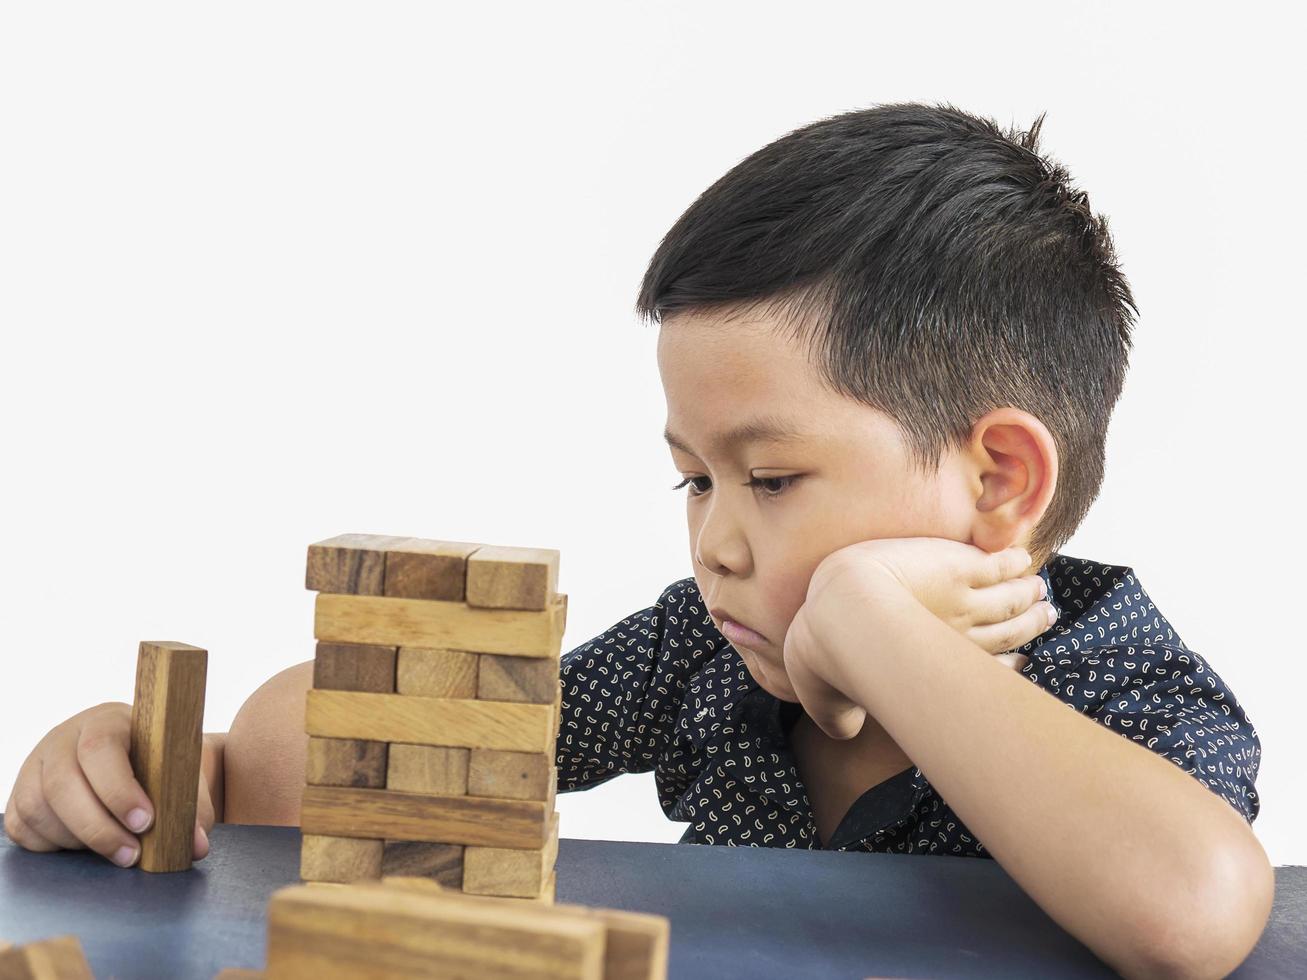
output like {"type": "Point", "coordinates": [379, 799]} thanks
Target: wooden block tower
{"type": "Point", "coordinates": [434, 714]}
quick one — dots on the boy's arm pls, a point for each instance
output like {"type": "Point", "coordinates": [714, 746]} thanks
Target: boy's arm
{"type": "Point", "coordinates": [265, 752]}
{"type": "Point", "coordinates": [1147, 866]}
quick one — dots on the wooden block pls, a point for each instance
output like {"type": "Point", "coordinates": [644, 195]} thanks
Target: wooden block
{"type": "Point", "coordinates": [353, 564]}
{"type": "Point", "coordinates": [439, 625]}
{"type": "Point", "coordinates": [238, 973]}
{"type": "Point", "coordinates": [450, 722]}
{"type": "Point", "coordinates": [343, 811]}
{"type": "Point", "coordinates": [510, 775]}
{"type": "Point", "coordinates": [383, 932]}
{"type": "Point", "coordinates": [550, 892]}
{"type": "Point", "coordinates": [354, 667]}
{"type": "Point", "coordinates": [339, 859]}
{"type": "Point", "coordinates": [512, 578]}
{"type": "Point", "coordinates": [528, 679]}
{"type": "Point", "coordinates": [59, 958]}
{"type": "Point", "coordinates": [422, 568]}
{"type": "Point", "coordinates": [437, 770]}
{"type": "Point", "coordinates": [346, 762]}
{"type": "Point", "coordinates": [510, 871]}
{"type": "Point", "coordinates": [438, 673]}
{"type": "Point", "coordinates": [166, 739]}
{"type": "Point", "coordinates": [438, 863]}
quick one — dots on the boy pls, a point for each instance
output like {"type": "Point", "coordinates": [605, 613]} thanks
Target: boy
{"type": "Point", "coordinates": [890, 345]}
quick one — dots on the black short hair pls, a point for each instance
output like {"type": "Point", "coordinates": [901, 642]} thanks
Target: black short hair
{"type": "Point", "coordinates": [938, 266]}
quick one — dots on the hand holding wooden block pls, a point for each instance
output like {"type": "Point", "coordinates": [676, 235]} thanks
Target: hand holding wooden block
{"type": "Point", "coordinates": [167, 737]}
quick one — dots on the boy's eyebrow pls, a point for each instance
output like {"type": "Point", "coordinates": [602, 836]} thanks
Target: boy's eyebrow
{"type": "Point", "coordinates": [764, 428]}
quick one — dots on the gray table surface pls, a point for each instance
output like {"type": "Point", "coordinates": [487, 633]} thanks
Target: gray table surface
{"type": "Point", "coordinates": [753, 912]}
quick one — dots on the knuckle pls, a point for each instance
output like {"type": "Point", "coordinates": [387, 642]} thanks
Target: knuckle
{"type": "Point", "coordinates": [92, 741]}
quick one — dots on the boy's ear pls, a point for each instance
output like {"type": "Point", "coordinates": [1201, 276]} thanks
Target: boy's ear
{"type": "Point", "coordinates": [1012, 462]}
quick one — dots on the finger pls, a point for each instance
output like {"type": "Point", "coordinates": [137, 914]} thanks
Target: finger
{"type": "Point", "coordinates": [31, 804]}
{"type": "Point", "coordinates": [103, 753]}
{"type": "Point", "coordinates": [1006, 600]}
{"type": "Point", "coordinates": [200, 845]}
{"type": "Point", "coordinates": [1000, 566]}
{"type": "Point", "coordinates": [75, 803]}
{"type": "Point", "coordinates": [17, 830]}
{"type": "Point", "coordinates": [1015, 632]}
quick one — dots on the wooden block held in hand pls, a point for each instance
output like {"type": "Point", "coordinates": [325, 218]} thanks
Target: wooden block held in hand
{"type": "Point", "coordinates": [422, 568]}
{"type": "Point", "coordinates": [382, 931]}
{"type": "Point", "coordinates": [529, 679]}
{"type": "Point", "coordinates": [512, 578]}
{"type": "Point", "coordinates": [511, 775]}
{"type": "Point", "coordinates": [58, 958]}
{"type": "Point", "coordinates": [439, 625]}
{"type": "Point", "coordinates": [339, 859]}
{"type": "Point", "coordinates": [351, 564]}
{"type": "Point", "coordinates": [437, 673]}
{"type": "Point", "coordinates": [346, 762]}
{"type": "Point", "coordinates": [354, 667]}
{"type": "Point", "coordinates": [166, 739]}
{"type": "Point", "coordinates": [450, 722]}
{"type": "Point", "coordinates": [522, 873]}
{"type": "Point", "coordinates": [437, 770]}
{"type": "Point", "coordinates": [343, 811]}
{"type": "Point", "coordinates": [439, 863]}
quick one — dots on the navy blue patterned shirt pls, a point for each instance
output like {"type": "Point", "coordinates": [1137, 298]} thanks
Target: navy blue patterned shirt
{"type": "Point", "coordinates": [664, 690]}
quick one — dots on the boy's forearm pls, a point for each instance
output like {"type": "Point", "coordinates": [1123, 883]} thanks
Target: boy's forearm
{"type": "Point", "coordinates": [212, 766]}
{"type": "Point", "coordinates": [1133, 856]}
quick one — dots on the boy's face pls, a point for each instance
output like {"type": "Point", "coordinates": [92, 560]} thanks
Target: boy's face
{"type": "Point", "coordinates": [754, 548]}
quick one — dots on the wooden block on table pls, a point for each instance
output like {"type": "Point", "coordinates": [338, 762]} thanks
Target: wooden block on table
{"type": "Point", "coordinates": [58, 958]}
{"type": "Point", "coordinates": [346, 762]}
{"type": "Point", "coordinates": [512, 578]}
{"type": "Point", "coordinates": [345, 811]}
{"type": "Point", "coordinates": [437, 770]}
{"type": "Point", "coordinates": [439, 863]}
{"type": "Point", "coordinates": [339, 859]}
{"type": "Point", "coordinates": [353, 564]}
{"type": "Point", "coordinates": [439, 625]}
{"type": "Point", "coordinates": [505, 871]}
{"type": "Point", "coordinates": [437, 673]}
{"type": "Point", "coordinates": [239, 973]}
{"type": "Point", "coordinates": [528, 679]}
{"type": "Point", "coordinates": [511, 775]}
{"type": "Point", "coordinates": [355, 667]}
{"type": "Point", "coordinates": [637, 943]}
{"type": "Point", "coordinates": [423, 568]}
{"type": "Point", "coordinates": [452, 722]}
{"type": "Point", "coordinates": [384, 931]}
{"type": "Point", "coordinates": [166, 740]}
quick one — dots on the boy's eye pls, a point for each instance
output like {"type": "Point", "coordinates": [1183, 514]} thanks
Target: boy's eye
{"type": "Point", "coordinates": [771, 486]}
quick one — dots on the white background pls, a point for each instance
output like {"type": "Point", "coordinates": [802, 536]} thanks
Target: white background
{"type": "Point", "coordinates": [274, 271]}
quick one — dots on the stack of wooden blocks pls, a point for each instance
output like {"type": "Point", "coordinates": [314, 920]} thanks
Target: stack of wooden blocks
{"type": "Point", "coordinates": [434, 714]}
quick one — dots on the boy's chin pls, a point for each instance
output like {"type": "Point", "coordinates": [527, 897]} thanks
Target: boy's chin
{"type": "Point", "coordinates": [779, 689]}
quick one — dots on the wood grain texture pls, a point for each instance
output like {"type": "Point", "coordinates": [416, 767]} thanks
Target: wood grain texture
{"type": "Point", "coordinates": [439, 625]}
{"type": "Point", "coordinates": [441, 864]}
{"type": "Point", "coordinates": [530, 680]}
{"type": "Point", "coordinates": [346, 762]}
{"type": "Point", "coordinates": [437, 770]}
{"type": "Point", "coordinates": [57, 958]}
{"type": "Point", "coordinates": [449, 722]}
{"type": "Point", "coordinates": [355, 667]}
{"type": "Point", "coordinates": [438, 673]}
{"type": "Point", "coordinates": [505, 871]}
{"type": "Point", "coordinates": [353, 564]}
{"type": "Point", "coordinates": [344, 811]}
{"type": "Point", "coordinates": [339, 859]}
{"type": "Point", "coordinates": [239, 973]}
{"type": "Point", "coordinates": [382, 931]}
{"type": "Point", "coordinates": [500, 577]}
{"type": "Point", "coordinates": [512, 775]}
{"type": "Point", "coordinates": [166, 741]}
{"type": "Point", "coordinates": [424, 568]}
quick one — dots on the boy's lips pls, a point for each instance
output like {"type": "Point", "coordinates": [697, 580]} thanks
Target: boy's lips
{"type": "Point", "coordinates": [737, 632]}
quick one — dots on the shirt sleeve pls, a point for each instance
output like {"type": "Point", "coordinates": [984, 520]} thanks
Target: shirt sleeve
{"type": "Point", "coordinates": [1173, 703]}
{"type": "Point", "coordinates": [622, 690]}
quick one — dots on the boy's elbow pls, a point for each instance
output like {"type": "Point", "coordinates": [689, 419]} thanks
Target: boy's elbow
{"type": "Point", "coordinates": [265, 752]}
{"type": "Point", "coordinates": [1217, 925]}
